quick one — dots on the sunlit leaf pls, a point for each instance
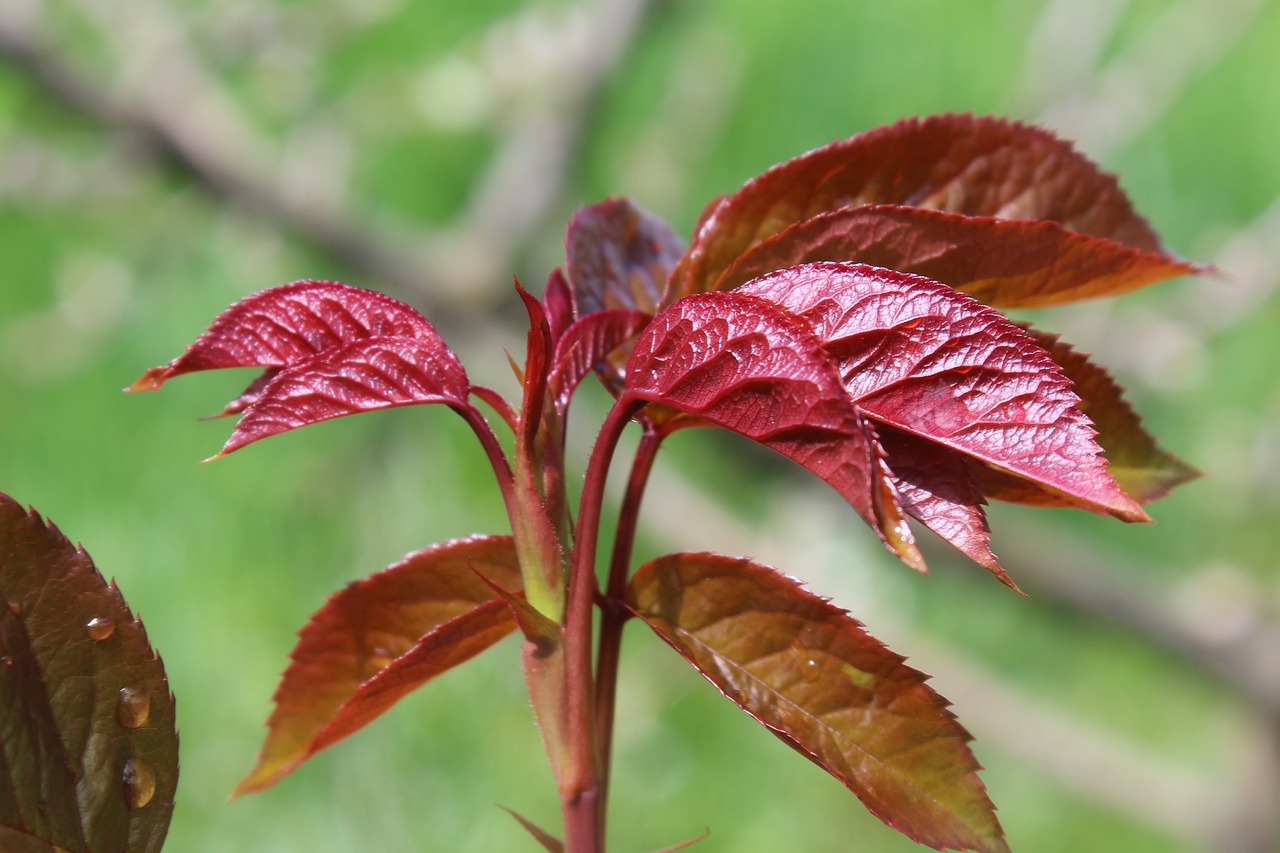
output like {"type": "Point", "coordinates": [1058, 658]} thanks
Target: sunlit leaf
{"type": "Point", "coordinates": [960, 163]}
{"type": "Point", "coordinates": [382, 637]}
{"type": "Point", "coordinates": [750, 366]}
{"type": "Point", "coordinates": [936, 363]}
{"type": "Point", "coordinates": [812, 674]}
{"type": "Point", "coordinates": [1139, 464]}
{"type": "Point", "coordinates": [284, 325]}
{"type": "Point", "coordinates": [1002, 262]}
{"type": "Point", "coordinates": [88, 749]}
{"type": "Point", "coordinates": [363, 376]}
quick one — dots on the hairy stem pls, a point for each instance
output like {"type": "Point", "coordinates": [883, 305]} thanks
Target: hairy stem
{"type": "Point", "coordinates": [613, 613]}
{"type": "Point", "coordinates": [580, 790]}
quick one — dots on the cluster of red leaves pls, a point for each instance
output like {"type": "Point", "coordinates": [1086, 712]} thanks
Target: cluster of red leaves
{"type": "Point", "coordinates": [839, 309]}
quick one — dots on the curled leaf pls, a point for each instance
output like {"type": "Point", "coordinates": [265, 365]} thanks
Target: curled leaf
{"type": "Point", "coordinates": [813, 676]}
{"type": "Point", "coordinates": [751, 366]}
{"type": "Point", "coordinates": [89, 753]}
{"type": "Point", "coordinates": [381, 638]}
{"type": "Point", "coordinates": [930, 361]}
{"type": "Point", "coordinates": [284, 325]}
{"type": "Point", "coordinates": [362, 376]}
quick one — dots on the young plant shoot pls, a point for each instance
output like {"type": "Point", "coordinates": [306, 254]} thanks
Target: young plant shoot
{"type": "Point", "coordinates": [842, 309]}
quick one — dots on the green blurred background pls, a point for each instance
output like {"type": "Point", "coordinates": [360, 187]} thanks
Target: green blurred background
{"type": "Point", "coordinates": [159, 160]}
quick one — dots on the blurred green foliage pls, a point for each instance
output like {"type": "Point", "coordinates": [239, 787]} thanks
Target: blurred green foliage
{"type": "Point", "coordinates": [112, 261]}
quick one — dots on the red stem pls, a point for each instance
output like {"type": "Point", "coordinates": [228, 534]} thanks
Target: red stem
{"type": "Point", "coordinates": [613, 611]}
{"type": "Point", "coordinates": [580, 790]}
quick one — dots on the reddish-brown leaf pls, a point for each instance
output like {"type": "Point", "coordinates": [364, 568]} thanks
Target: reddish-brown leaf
{"type": "Point", "coordinates": [362, 376]}
{"type": "Point", "coordinates": [89, 753]}
{"type": "Point", "coordinates": [1140, 466]}
{"type": "Point", "coordinates": [936, 363]}
{"type": "Point", "coordinates": [812, 674]}
{"type": "Point", "coordinates": [751, 366]}
{"type": "Point", "coordinates": [548, 841]}
{"type": "Point", "coordinates": [960, 163]}
{"type": "Point", "coordinates": [284, 325]}
{"type": "Point", "coordinates": [1002, 262]}
{"type": "Point", "coordinates": [619, 257]}
{"type": "Point", "coordinates": [382, 637]}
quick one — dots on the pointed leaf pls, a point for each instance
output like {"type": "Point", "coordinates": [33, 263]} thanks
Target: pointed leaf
{"type": "Point", "coordinates": [1139, 464]}
{"type": "Point", "coordinates": [380, 638]}
{"type": "Point", "coordinates": [363, 376]}
{"type": "Point", "coordinates": [936, 363]}
{"type": "Point", "coordinates": [284, 325]}
{"type": "Point", "coordinates": [1002, 262]}
{"type": "Point", "coordinates": [557, 298]}
{"type": "Point", "coordinates": [814, 676]}
{"type": "Point", "coordinates": [548, 841]}
{"type": "Point", "coordinates": [960, 163]}
{"type": "Point", "coordinates": [88, 753]}
{"type": "Point", "coordinates": [750, 366]}
{"type": "Point", "coordinates": [937, 487]}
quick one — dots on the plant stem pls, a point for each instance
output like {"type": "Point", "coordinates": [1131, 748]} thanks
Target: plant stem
{"type": "Point", "coordinates": [613, 613]}
{"type": "Point", "coordinates": [580, 789]}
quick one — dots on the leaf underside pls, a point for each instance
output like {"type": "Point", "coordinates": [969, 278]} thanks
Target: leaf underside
{"type": "Point", "coordinates": [813, 676]}
{"type": "Point", "coordinates": [88, 752]}
{"type": "Point", "coordinates": [382, 637]}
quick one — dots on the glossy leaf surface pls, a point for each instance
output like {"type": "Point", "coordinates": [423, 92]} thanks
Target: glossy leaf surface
{"type": "Point", "coordinates": [585, 346]}
{"type": "Point", "coordinates": [812, 674]}
{"type": "Point", "coordinates": [284, 325]}
{"type": "Point", "coordinates": [1003, 262]}
{"type": "Point", "coordinates": [88, 749]}
{"type": "Point", "coordinates": [753, 367]}
{"type": "Point", "coordinates": [381, 638]}
{"type": "Point", "coordinates": [362, 376]}
{"type": "Point", "coordinates": [935, 363]}
{"type": "Point", "coordinates": [959, 163]}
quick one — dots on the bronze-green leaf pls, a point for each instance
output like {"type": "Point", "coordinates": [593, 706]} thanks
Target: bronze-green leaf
{"type": "Point", "coordinates": [382, 637]}
{"type": "Point", "coordinates": [88, 749]}
{"type": "Point", "coordinates": [814, 677]}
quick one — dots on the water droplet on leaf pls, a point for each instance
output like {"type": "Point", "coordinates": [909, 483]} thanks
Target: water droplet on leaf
{"type": "Point", "coordinates": [139, 783]}
{"type": "Point", "coordinates": [99, 628]}
{"type": "Point", "coordinates": [134, 707]}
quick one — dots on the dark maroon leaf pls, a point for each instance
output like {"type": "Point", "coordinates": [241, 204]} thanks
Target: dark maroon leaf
{"type": "Point", "coordinates": [959, 163]}
{"type": "Point", "coordinates": [1004, 263]}
{"type": "Point", "coordinates": [382, 637]}
{"type": "Point", "coordinates": [936, 363]}
{"type": "Point", "coordinates": [751, 366]}
{"type": "Point", "coordinates": [814, 677]}
{"type": "Point", "coordinates": [619, 257]}
{"type": "Point", "coordinates": [285, 325]}
{"type": "Point", "coordinates": [557, 298]}
{"type": "Point", "coordinates": [89, 753]}
{"type": "Point", "coordinates": [362, 376]}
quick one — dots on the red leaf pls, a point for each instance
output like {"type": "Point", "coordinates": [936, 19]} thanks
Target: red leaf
{"type": "Point", "coordinates": [1140, 466]}
{"type": "Point", "coordinates": [960, 163]}
{"type": "Point", "coordinates": [380, 638]}
{"type": "Point", "coordinates": [812, 674]}
{"type": "Point", "coordinates": [586, 344]}
{"type": "Point", "coordinates": [285, 325]}
{"type": "Point", "coordinates": [748, 365]}
{"type": "Point", "coordinates": [1004, 263]}
{"type": "Point", "coordinates": [919, 356]}
{"type": "Point", "coordinates": [89, 753]}
{"type": "Point", "coordinates": [362, 376]}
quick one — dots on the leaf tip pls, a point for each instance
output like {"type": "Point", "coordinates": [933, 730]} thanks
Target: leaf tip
{"type": "Point", "coordinates": [149, 381]}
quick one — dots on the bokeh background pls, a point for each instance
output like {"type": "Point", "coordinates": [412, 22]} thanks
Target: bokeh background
{"type": "Point", "coordinates": [159, 159]}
